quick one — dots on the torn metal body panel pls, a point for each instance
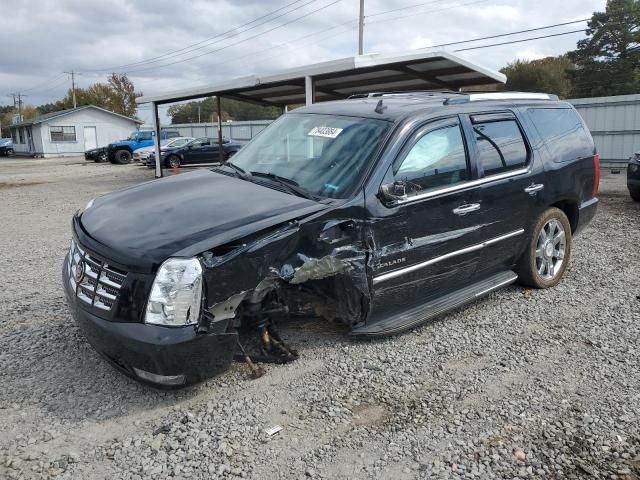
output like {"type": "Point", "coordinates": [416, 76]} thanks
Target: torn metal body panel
{"type": "Point", "coordinates": [381, 220]}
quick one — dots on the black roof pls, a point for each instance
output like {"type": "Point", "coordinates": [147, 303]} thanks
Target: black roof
{"type": "Point", "coordinates": [401, 105]}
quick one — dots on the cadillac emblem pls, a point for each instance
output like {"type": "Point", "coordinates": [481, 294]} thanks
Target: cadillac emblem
{"type": "Point", "coordinates": [78, 272]}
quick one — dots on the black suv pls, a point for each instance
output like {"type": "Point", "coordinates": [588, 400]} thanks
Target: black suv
{"type": "Point", "coordinates": [381, 212]}
{"type": "Point", "coordinates": [633, 177]}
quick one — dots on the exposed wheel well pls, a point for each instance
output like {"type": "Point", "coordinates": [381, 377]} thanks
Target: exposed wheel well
{"type": "Point", "coordinates": [570, 209]}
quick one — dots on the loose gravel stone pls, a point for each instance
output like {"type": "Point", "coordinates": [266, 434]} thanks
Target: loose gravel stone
{"type": "Point", "coordinates": [523, 384]}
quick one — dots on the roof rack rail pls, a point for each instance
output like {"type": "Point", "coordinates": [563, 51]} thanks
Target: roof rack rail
{"type": "Point", "coordinates": [478, 97]}
{"type": "Point", "coordinates": [406, 93]}
{"type": "Point", "coordinates": [475, 97]}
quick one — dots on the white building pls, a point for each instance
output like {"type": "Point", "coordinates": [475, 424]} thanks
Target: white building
{"type": "Point", "coordinates": [71, 132]}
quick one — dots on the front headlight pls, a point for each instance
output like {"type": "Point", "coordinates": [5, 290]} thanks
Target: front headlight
{"type": "Point", "coordinates": [176, 293]}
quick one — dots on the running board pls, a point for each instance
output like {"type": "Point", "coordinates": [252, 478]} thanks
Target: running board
{"type": "Point", "coordinates": [420, 314]}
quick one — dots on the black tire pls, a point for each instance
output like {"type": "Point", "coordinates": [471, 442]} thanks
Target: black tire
{"type": "Point", "coordinates": [635, 195]}
{"type": "Point", "coordinates": [101, 157]}
{"type": "Point", "coordinates": [173, 161]}
{"type": "Point", "coordinates": [541, 266]}
{"type": "Point", "coordinates": [122, 157]}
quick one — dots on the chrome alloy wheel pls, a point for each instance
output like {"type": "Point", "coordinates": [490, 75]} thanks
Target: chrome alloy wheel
{"type": "Point", "coordinates": [550, 249]}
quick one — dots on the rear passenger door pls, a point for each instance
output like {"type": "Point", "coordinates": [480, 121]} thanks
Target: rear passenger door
{"type": "Point", "coordinates": [510, 178]}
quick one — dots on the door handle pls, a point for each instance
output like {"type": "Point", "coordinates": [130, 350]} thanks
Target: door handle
{"type": "Point", "coordinates": [534, 188]}
{"type": "Point", "coordinates": [468, 208]}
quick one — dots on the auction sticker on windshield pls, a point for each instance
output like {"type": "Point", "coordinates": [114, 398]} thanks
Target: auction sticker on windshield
{"type": "Point", "coordinates": [327, 132]}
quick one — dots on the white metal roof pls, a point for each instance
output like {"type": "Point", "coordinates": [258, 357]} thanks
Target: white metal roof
{"type": "Point", "coordinates": [335, 79]}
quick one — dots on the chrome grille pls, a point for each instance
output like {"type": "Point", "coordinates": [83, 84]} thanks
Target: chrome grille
{"type": "Point", "coordinates": [95, 282]}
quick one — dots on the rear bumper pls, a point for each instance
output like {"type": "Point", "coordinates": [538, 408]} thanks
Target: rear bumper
{"type": "Point", "coordinates": [586, 212]}
{"type": "Point", "coordinates": [174, 357]}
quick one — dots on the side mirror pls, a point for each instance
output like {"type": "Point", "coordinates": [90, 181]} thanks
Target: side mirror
{"type": "Point", "coordinates": [394, 192]}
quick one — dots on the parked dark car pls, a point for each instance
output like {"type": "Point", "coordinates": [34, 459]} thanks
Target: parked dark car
{"type": "Point", "coordinates": [99, 154]}
{"type": "Point", "coordinates": [633, 177]}
{"type": "Point", "coordinates": [203, 150]}
{"type": "Point", "coordinates": [6, 147]}
{"type": "Point", "coordinates": [380, 212]}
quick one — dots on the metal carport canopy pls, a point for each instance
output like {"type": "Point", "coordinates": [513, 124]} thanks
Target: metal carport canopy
{"type": "Point", "coordinates": [335, 79]}
{"type": "Point", "coordinates": [409, 71]}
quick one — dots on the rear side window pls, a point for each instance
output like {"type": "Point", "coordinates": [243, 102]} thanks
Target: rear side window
{"type": "Point", "coordinates": [563, 132]}
{"type": "Point", "coordinates": [500, 143]}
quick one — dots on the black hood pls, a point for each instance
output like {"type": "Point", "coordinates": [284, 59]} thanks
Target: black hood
{"type": "Point", "coordinates": [183, 215]}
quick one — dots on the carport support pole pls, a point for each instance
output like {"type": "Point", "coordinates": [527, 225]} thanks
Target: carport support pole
{"type": "Point", "coordinates": [309, 92]}
{"type": "Point", "coordinates": [156, 140]}
{"type": "Point", "coordinates": [220, 147]}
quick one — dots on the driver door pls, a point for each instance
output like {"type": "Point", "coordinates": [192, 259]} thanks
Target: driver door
{"type": "Point", "coordinates": [423, 238]}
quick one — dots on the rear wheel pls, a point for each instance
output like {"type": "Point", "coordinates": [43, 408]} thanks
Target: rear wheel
{"type": "Point", "coordinates": [635, 194]}
{"type": "Point", "coordinates": [544, 262]}
{"type": "Point", "coordinates": [122, 157]}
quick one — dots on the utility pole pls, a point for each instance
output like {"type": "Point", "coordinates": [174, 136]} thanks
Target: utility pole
{"type": "Point", "coordinates": [361, 29]}
{"type": "Point", "coordinates": [73, 87]}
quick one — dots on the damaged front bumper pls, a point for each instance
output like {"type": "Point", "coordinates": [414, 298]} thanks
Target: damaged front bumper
{"type": "Point", "coordinates": [162, 356]}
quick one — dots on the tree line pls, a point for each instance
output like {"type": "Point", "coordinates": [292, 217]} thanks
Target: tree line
{"type": "Point", "coordinates": [605, 63]}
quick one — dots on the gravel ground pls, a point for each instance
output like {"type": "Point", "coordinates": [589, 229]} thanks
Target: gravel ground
{"type": "Point", "coordinates": [523, 384]}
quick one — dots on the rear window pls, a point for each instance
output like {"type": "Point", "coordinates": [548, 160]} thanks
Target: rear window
{"type": "Point", "coordinates": [501, 146]}
{"type": "Point", "coordinates": [563, 132]}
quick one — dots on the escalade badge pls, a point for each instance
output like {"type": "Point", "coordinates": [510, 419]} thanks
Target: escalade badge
{"type": "Point", "coordinates": [79, 271]}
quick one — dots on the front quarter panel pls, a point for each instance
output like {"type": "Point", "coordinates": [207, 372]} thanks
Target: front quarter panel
{"type": "Point", "coordinates": [315, 266]}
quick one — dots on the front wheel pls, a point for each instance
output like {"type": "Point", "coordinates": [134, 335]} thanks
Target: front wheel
{"type": "Point", "coordinates": [544, 262]}
{"type": "Point", "coordinates": [102, 157]}
{"type": "Point", "coordinates": [635, 195]}
{"type": "Point", "coordinates": [173, 161]}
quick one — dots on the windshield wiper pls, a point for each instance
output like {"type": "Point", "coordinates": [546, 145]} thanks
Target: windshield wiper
{"type": "Point", "coordinates": [291, 185]}
{"type": "Point", "coordinates": [241, 173]}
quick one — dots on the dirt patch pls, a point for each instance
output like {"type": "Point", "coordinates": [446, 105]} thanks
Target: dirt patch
{"type": "Point", "coordinates": [5, 185]}
{"type": "Point", "coordinates": [368, 414]}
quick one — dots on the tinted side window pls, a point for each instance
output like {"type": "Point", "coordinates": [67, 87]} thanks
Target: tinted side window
{"type": "Point", "coordinates": [437, 159]}
{"type": "Point", "coordinates": [500, 144]}
{"type": "Point", "coordinates": [563, 132]}
{"type": "Point", "coordinates": [145, 136]}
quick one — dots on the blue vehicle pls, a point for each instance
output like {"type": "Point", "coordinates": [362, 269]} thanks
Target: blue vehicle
{"type": "Point", "coordinates": [122, 151]}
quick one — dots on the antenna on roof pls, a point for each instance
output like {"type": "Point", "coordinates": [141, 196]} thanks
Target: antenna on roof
{"type": "Point", "coordinates": [380, 108]}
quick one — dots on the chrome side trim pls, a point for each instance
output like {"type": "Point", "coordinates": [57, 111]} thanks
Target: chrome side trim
{"type": "Point", "coordinates": [472, 248]}
{"type": "Point", "coordinates": [495, 287]}
{"type": "Point", "coordinates": [463, 186]}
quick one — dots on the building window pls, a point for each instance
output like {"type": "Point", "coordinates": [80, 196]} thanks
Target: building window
{"type": "Point", "coordinates": [21, 134]}
{"type": "Point", "coordinates": [63, 134]}
{"type": "Point", "coordinates": [14, 135]}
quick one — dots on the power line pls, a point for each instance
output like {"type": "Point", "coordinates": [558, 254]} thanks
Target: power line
{"type": "Point", "coordinates": [402, 8]}
{"type": "Point", "coordinates": [510, 33]}
{"type": "Point", "coordinates": [519, 41]}
{"type": "Point", "coordinates": [189, 48]}
{"type": "Point", "coordinates": [352, 27]}
{"type": "Point", "coordinates": [52, 79]}
{"type": "Point", "coordinates": [240, 41]}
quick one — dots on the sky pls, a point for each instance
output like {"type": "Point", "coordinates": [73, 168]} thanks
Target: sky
{"type": "Point", "coordinates": [165, 45]}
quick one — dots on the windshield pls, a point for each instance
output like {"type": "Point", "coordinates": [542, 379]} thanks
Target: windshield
{"type": "Point", "coordinates": [132, 136]}
{"type": "Point", "coordinates": [326, 155]}
{"type": "Point", "coordinates": [178, 142]}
